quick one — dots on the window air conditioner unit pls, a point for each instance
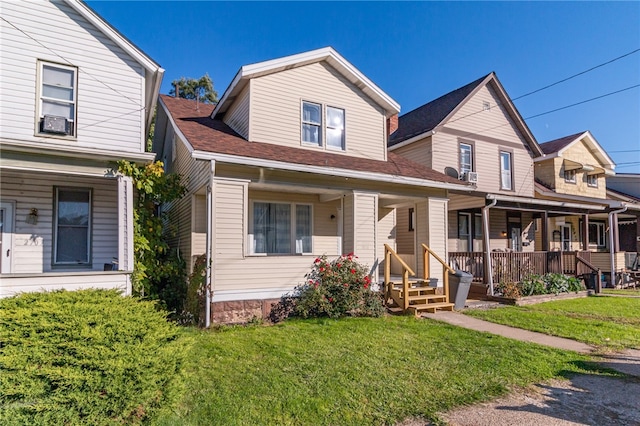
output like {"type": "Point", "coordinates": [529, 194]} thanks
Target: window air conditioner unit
{"type": "Point", "coordinates": [55, 124]}
{"type": "Point", "coordinates": [471, 177]}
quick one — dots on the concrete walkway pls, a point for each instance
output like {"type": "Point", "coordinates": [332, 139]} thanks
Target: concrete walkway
{"type": "Point", "coordinates": [627, 362]}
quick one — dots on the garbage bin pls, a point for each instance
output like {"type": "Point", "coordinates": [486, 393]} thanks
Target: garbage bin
{"type": "Point", "coordinates": [459, 285]}
{"type": "Point", "coordinates": [590, 280]}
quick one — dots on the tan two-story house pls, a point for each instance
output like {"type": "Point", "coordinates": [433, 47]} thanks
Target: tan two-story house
{"type": "Point", "coordinates": [292, 164]}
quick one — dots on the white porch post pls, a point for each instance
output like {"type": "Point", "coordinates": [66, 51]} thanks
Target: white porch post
{"type": "Point", "coordinates": [613, 236]}
{"type": "Point", "coordinates": [209, 244]}
{"type": "Point", "coordinates": [125, 227]}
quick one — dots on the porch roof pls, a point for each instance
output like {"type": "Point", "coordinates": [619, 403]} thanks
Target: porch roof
{"type": "Point", "coordinates": [537, 204]}
{"type": "Point", "coordinates": [212, 136]}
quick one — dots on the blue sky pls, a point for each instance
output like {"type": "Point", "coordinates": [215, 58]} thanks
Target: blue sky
{"type": "Point", "coordinates": [418, 51]}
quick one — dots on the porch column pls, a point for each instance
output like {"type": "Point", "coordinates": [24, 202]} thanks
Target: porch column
{"type": "Point", "coordinates": [545, 230]}
{"type": "Point", "coordinates": [431, 229]}
{"type": "Point", "coordinates": [637, 236]}
{"type": "Point", "coordinates": [125, 227]}
{"type": "Point", "coordinates": [585, 233]}
{"type": "Point", "coordinates": [361, 224]}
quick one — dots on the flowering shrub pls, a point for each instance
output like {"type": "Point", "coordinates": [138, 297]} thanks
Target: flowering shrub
{"type": "Point", "coordinates": [334, 289]}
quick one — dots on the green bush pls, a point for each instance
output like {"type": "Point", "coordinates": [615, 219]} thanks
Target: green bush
{"type": "Point", "coordinates": [332, 289]}
{"type": "Point", "coordinates": [536, 285]}
{"type": "Point", "coordinates": [85, 357]}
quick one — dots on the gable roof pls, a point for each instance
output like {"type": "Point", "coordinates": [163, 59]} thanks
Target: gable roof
{"type": "Point", "coordinates": [557, 147]}
{"type": "Point", "coordinates": [327, 54]}
{"type": "Point", "coordinates": [207, 135]}
{"type": "Point", "coordinates": [426, 119]}
{"type": "Point", "coordinates": [153, 71]}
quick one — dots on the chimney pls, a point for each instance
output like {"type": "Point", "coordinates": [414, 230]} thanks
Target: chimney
{"type": "Point", "coordinates": [392, 124]}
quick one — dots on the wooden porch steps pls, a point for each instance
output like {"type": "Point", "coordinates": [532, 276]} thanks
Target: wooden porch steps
{"type": "Point", "coordinates": [421, 297]}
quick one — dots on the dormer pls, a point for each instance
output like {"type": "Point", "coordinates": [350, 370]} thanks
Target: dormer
{"type": "Point", "coordinates": [574, 165]}
{"type": "Point", "coordinates": [314, 100]}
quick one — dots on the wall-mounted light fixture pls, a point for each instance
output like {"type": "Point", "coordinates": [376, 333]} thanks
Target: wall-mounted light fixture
{"type": "Point", "coordinates": [32, 217]}
{"type": "Point", "coordinates": [333, 217]}
{"type": "Point", "coordinates": [503, 233]}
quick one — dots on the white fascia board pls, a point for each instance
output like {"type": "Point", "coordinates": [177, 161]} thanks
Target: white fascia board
{"type": "Point", "coordinates": [274, 65]}
{"type": "Point", "coordinates": [579, 198]}
{"type": "Point", "coordinates": [412, 140]}
{"type": "Point", "coordinates": [152, 99]}
{"type": "Point", "coordinates": [546, 157]}
{"type": "Point", "coordinates": [544, 202]}
{"type": "Point", "coordinates": [82, 153]}
{"type": "Point", "coordinates": [116, 37]}
{"type": "Point", "coordinates": [280, 165]}
{"type": "Point", "coordinates": [176, 129]}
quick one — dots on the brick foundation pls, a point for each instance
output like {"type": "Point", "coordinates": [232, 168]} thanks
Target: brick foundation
{"type": "Point", "coordinates": [241, 311]}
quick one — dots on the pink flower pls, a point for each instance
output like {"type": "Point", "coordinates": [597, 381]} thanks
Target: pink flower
{"type": "Point", "coordinates": [331, 299]}
{"type": "Point", "coordinates": [321, 269]}
{"type": "Point", "coordinates": [366, 285]}
{"type": "Point", "coordinates": [353, 271]}
{"type": "Point", "coordinates": [317, 260]}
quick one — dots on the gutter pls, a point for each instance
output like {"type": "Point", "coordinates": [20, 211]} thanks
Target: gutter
{"type": "Point", "coordinates": [512, 199]}
{"type": "Point", "coordinates": [328, 171]}
{"type": "Point", "coordinates": [487, 248]}
{"type": "Point", "coordinates": [411, 140]}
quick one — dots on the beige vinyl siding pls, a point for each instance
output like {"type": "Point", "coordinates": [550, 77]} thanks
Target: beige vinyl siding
{"type": "Point", "coordinates": [348, 211]}
{"type": "Point", "coordinates": [386, 231]}
{"type": "Point", "coordinates": [437, 236]}
{"type": "Point", "coordinates": [366, 221]}
{"type": "Point", "coordinates": [454, 244]}
{"type": "Point", "coordinates": [528, 232]}
{"type": "Point", "coordinates": [419, 151]}
{"type": "Point", "coordinates": [33, 244]}
{"type": "Point", "coordinates": [422, 234]}
{"type": "Point", "coordinates": [405, 240]}
{"type": "Point", "coordinates": [110, 91]}
{"type": "Point", "coordinates": [498, 224]}
{"type": "Point", "coordinates": [230, 223]}
{"type": "Point", "coordinates": [195, 177]}
{"type": "Point", "coordinates": [238, 115]}
{"type": "Point", "coordinates": [491, 131]}
{"type": "Point", "coordinates": [276, 102]}
{"type": "Point", "coordinates": [198, 225]}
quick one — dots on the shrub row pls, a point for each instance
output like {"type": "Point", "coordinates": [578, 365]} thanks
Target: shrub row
{"type": "Point", "coordinates": [540, 284]}
{"type": "Point", "coordinates": [85, 357]}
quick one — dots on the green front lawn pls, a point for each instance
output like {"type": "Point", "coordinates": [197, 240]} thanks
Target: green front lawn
{"type": "Point", "coordinates": [354, 371]}
{"type": "Point", "coordinates": [623, 292]}
{"type": "Point", "coordinates": [606, 322]}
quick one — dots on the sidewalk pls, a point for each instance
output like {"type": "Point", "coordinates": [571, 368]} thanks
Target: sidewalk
{"type": "Point", "coordinates": [627, 362]}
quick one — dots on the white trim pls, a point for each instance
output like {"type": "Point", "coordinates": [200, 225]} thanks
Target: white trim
{"type": "Point", "coordinates": [7, 235]}
{"type": "Point", "coordinates": [513, 199]}
{"type": "Point", "coordinates": [246, 72]}
{"type": "Point", "coordinates": [55, 236]}
{"type": "Point", "coordinates": [292, 228]}
{"type": "Point", "coordinates": [74, 151]}
{"type": "Point", "coordinates": [595, 149]}
{"type": "Point", "coordinates": [328, 171]}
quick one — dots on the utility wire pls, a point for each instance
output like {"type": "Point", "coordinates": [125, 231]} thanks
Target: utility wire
{"type": "Point", "coordinates": [576, 75]}
{"type": "Point", "coordinates": [583, 102]}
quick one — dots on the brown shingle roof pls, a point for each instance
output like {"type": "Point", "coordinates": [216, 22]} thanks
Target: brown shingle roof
{"type": "Point", "coordinates": [212, 135]}
{"type": "Point", "coordinates": [557, 144]}
{"type": "Point", "coordinates": [428, 116]}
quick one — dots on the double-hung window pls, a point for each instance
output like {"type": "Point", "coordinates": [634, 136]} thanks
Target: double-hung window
{"type": "Point", "coordinates": [281, 228]}
{"type": "Point", "coordinates": [323, 126]}
{"type": "Point", "coordinates": [335, 128]}
{"type": "Point", "coordinates": [466, 159]}
{"type": "Point", "coordinates": [312, 123]}
{"type": "Point", "coordinates": [57, 99]}
{"type": "Point", "coordinates": [592, 180]}
{"type": "Point", "coordinates": [72, 226]}
{"type": "Point", "coordinates": [506, 175]}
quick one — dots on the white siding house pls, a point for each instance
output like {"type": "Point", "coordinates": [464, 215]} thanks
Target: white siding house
{"type": "Point", "coordinates": [291, 164]}
{"type": "Point", "coordinates": [76, 97]}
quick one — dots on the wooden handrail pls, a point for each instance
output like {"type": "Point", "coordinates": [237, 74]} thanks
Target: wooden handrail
{"type": "Point", "coordinates": [406, 270]}
{"type": "Point", "coordinates": [445, 269]}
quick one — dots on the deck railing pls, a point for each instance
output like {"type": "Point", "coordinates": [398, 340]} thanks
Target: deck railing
{"type": "Point", "coordinates": [515, 266]}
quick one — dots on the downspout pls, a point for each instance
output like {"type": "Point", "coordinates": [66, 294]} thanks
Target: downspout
{"type": "Point", "coordinates": [487, 236]}
{"type": "Point", "coordinates": [611, 243]}
{"type": "Point", "coordinates": [209, 245]}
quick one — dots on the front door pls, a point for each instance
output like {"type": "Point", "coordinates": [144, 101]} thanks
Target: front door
{"type": "Point", "coordinates": [6, 236]}
{"type": "Point", "coordinates": [565, 235]}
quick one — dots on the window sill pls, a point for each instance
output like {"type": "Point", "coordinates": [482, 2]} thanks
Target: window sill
{"type": "Point", "coordinates": [56, 136]}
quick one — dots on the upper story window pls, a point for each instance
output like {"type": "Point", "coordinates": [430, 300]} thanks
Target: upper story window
{"type": "Point", "coordinates": [323, 126]}
{"type": "Point", "coordinates": [570, 176]}
{"type": "Point", "coordinates": [592, 180]}
{"type": "Point", "coordinates": [57, 99]}
{"type": "Point", "coordinates": [312, 123]}
{"type": "Point", "coordinates": [466, 159]}
{"type": "Point", "coordinates": [506, 172]}
{"type": "Point", "coordinates": [72, 227]}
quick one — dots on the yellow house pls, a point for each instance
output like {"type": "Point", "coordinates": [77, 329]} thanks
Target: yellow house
{"type": "Point", "coordinates": [292, 164]}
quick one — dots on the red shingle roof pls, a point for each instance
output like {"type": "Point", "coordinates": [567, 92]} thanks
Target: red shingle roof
{"type": "Point", "coordinates": [212, 135]}
{"type": "Point", "coordinates": [557, 144]}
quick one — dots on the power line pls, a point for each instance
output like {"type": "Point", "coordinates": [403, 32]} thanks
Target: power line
{"type": "Point", "coordinates": [576, 75]}
{"type": "Point", "coordinates": [583, 102]}
{"type": "Point", "coordinates": [628, 150]}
